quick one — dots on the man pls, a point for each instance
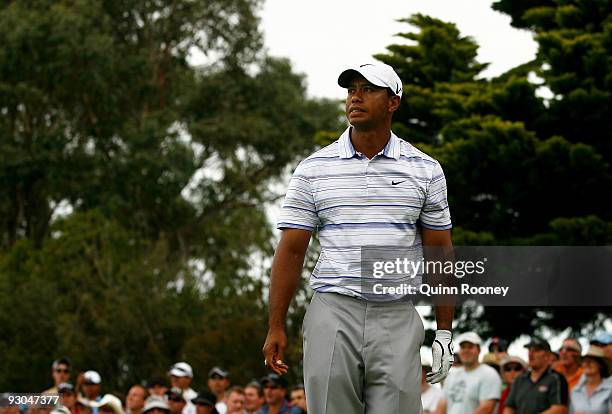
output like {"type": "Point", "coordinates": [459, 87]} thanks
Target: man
{"type": "Point", "coordinates": [135, 400]}
{"type": "Point", "coordinates": [253, 397]}
{"type": "Point", "coordinates": [369, 188]}
{"type": "Point", "coordinates": [157, 386]}
{"type": "Point", "coordinates": [92, 387]}
{"type": "Point", "coordinates": [511, 367]}
{"type": "Point", "coordinates": [541, 389]}
{"type": "Point", "coordinates": [109, 404]}
{"type": "Point", "coordinates": [431, 395]}
{"type": "Point", "coordinates": [176, 401]}
{"type": "Point", "coordinates": [156, 405]}
{"type": "Point", "coordinates": [205, 403]}
{"type": "Point", "coordinates": [569, 364]}
{"type": "Point", "coordinates": [235, 400]}
{"type": "Point", "coordinates": [297, 397]}
{"type": "Point", "coordinates": [474, 387]}
{"type": "Point", "coordinates": [218, 383]}
{"type": "Point", "coordinates": [181, 376]}
{"type": "Point", "coordinates": [68, 397]}
{"type": "Point", "coordinates": [275, 389]}
{"type": "Point", "coordinates": [60, 372]}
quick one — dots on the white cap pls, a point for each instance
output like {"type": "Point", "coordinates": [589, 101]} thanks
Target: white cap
{"type": "Point", "coordinates": [377, 73]}
{"type": "Point", "coordinates": [109, 400]}
{"type": "Point", "coordinates": [92, 377]}
{"type": "Point", "coordinates": [471, 337]}
{"type": "Point", "coordinates": [181, 369]}
{"type": "Point", "coordinates": [155, 401]}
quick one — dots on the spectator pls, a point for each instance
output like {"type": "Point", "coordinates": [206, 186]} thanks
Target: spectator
{"type": "Point", "coordinates": [68, 397]}
{"type": "Point", "coordinates": [176, 401]}
{"type": "Point", "coordinates": [594, 395]}
{"type": "Point", "coordinates": [275, 388]}
{"type": "Point", "coordinates": [297, 397]}
{"type": "Point", "coordinates": [92, 387]}
{"type": "Point", "coordinates": [181, 376]}
{"type": "Point", "coordinates": [511, 367]}
{"type": "Point", "coordinates": [205, 403]}
{"type": "Point", "coordinates": [60, 372]}
{"type": "Point", "coordinates": [499, 347]}
{"type": "Point", "coordinates": [135, 400]}
{"type": "Point", "coordinates": [541, 389]}
{"type": "Point", "coordinates": [157, 386]}
{"type": "Point", "coordinates": [109, 404]}
{"type": "Point", "coordinates": [431, 395]}
{"type": "Point", "coordinates": [604, 341]}
{"type": "Point", "coordinates": [218, 382]}
{"type": "Point", "coordinates": [491, 360]}
{"type": "Point", "coordinates": [474, 387]}
{"type": "Point", "coordinates": [253, 397]}
{"type": "Point", "coordinates": [235, 400]}
{"type": "Point", "coordinates": [569, 362]}
{"type": "Point", "coordinates": [156, 404]}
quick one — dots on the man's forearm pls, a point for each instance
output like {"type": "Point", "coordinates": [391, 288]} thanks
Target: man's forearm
{"type": "Point", "coordinates": [444, 317]}
{"type": "Point", "coordinates": [485, 407]}
{"type": "Point", "coordinates": [284, 279]}
{"type": "Point", "coordinates": [556, 409]}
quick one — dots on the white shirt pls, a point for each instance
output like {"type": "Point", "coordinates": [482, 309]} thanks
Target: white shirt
{"type": "Point", "coordinates": [465, 390]}
{"type": "Point", "coordinates": [431, 398]}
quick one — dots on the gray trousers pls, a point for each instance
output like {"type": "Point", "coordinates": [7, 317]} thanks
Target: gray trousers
{"type": "Point", "coordinates": [362, 357]}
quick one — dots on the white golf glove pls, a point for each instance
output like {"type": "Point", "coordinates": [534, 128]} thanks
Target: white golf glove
{"type": "Point", "coordinates": [441, 355]}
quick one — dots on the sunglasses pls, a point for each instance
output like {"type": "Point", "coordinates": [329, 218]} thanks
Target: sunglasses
{"type": "Point", "coordinates": [516, 368]}
{"type": "Point", "coordinates": [567, 349]}
{"type": "Point", "coordinates": [272, 387]}
{"type": "Point", "coordinates": [62, 370]}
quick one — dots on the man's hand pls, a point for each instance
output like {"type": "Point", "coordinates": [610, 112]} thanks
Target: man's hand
{"type": "Point", "coordinates": [273, 349]}
{"type": "Point", "coordinates": [442, 356]}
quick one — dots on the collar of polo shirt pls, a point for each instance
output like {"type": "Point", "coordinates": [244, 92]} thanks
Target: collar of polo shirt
{"type": "Point", "coordinates": [347, 150]}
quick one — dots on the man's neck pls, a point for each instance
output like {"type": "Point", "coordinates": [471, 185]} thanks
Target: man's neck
{"type": "Point", "coordinates": [275, 408]}
{"type": "Point", "coordinates": [471, 367]}
{"type": "Point", "coordinates": [571, 369]}
{"type": "Point", "coordinates": [370, 142]}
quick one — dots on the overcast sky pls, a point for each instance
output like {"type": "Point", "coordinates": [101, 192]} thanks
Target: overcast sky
{"type": "Point", "coordinates": [321, 37]}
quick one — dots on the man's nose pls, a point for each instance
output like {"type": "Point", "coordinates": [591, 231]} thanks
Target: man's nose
{"type": "Point", "coordinates": [357, 96]}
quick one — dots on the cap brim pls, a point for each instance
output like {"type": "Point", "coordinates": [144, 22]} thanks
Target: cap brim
{"type": "Point", "coordinates": [345, 78]}
{"type": "Point", "coordinates": [178, 373]}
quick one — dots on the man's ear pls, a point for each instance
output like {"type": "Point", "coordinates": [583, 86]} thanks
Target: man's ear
{"type": "Point", "coordinates": [394, 103]}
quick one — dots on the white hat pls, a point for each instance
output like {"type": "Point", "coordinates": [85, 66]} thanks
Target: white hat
{"type": "Point", "coordinates": [181, 369]}
{"type": "Point", "coordinates": [471, 337]}
{"type": "Point", "coordinates": [60, 410]}
{"type": "Point", "coordinates": [109, 400]}
{"type": "Point", "coordinates": [377, 73]}
{"type": "Point", "coordinates": [155, 401]}
{"type": "Point", "coordinates": [92, 377]}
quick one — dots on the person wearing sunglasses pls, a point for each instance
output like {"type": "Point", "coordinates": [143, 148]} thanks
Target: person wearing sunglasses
{"type": "Point", "coordinates": [510, 368]}
{"type": "Point", "coordinates": [570, 362]}
{"type": "Point", "coordinates": [60, 371]}
{"type": "Point", "coordinates": [275, 391]}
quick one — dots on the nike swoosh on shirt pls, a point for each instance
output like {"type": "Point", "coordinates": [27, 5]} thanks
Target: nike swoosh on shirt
{"type": "Point", "coordinates": [397, 182]}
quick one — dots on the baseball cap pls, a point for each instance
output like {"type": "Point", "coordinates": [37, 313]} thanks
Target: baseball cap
{"type": "Point", "coordinates": [274, 379]}
{"type": "Point", "coordinates": [538, 343]}
{"type": "Point", "coordinates": [181, 369]}
{"type": "Point", "coordinates": [65, 387]}
{"type": "Point", "coordinates": [155, 401]}
{"type": "Point", "coordinates": [218, 371]}
{"type": "Point", "coordinates": [602, 339]}
{"type": "Point", "coordinates": [110, 401]}
{"type": "Point", "coordinates": [471, 337]}
{"type": "Point", "coordinates": [92, 377]}
{"type": "Point", "coordinates": [377, 73]}
{"type": "Point", "coordinates": [513, 359]}
{"type": "Point", "coordinates": [205, 398]}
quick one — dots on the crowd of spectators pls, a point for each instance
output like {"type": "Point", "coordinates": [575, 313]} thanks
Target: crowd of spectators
{"type": "Point", "coordinates": [566, 381]}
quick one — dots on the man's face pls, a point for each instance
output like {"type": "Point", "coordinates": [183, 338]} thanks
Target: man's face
{"type": "Point", "coordinates": [252, 400]}
{"type": "Point", "coordinates": [176, 404]}
{"type": "Point", "coordinates": [567, 355]}
{"type": "Point", "coordinates": [235, 402]}
{"type": "Point", "coordinates": [203, 408]}
{"type": "Point", "coordinates": [135, 398]}
{"type": "Point", "coordinates": [510, 371]}
{"type": "Point", "coordinates": [469, 352]}
{"type": "Point", "coordinates": [61, 373]}
{"type": "Point", "coordinates": [538, 358]}
{"type": "Point", "coordinates": [158, 390]}
{"type": "Point", "coordinates": [273, 393]}
{"type": "Point", "coordinates": [180, 382]}
{"type": "Point", "coordinates": [91, 391]}
{"type": "Point", "coordinates": [367, 106]}
{"type": "Point", "coordinates": [68, 399]}
{"type": "Point", "coordinates": [217, 384]}
{"type": "Point", "coordinates": [298, 398]}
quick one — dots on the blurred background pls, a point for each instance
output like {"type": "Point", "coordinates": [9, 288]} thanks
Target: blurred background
{"type": "Point", "coordinates": [145, 147]}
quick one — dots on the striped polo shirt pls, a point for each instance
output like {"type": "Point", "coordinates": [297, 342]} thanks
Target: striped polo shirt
{"type": "Point", "coordinates": [355, 202]}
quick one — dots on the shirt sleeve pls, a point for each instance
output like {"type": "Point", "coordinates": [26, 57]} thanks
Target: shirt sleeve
{"type": "Point", "coordinates": [491, 386]}
{"type": "Point", "coordinates": [435, 213]}
{"type": "Point", "coordinates": [299, 210]}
